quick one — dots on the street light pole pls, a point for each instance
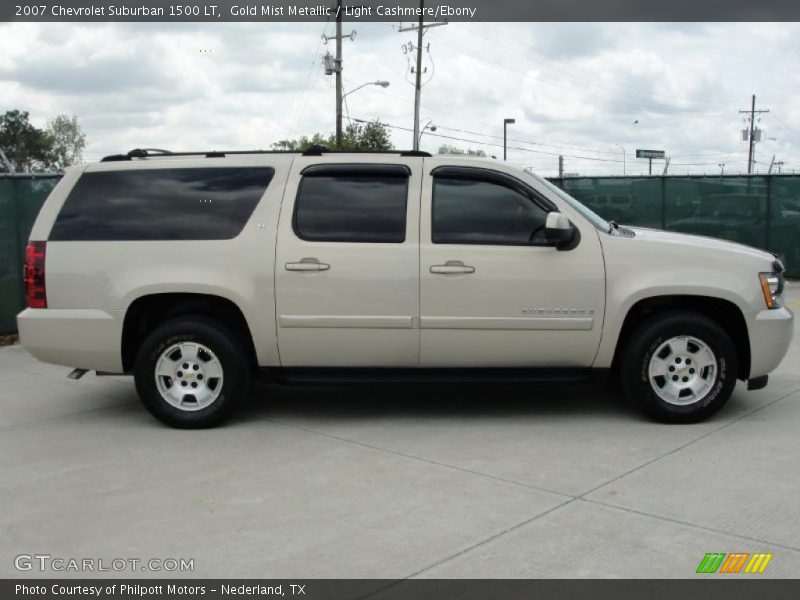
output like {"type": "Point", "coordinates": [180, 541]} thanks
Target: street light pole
{"type": "Point", "coordinates": [623, 157]}
{"type": "Point", "coordinates": [383, 84]}
{"type": "Point", "coordinates": [427, 125]}
{"type": "Point", "coordinates": [506, 123]}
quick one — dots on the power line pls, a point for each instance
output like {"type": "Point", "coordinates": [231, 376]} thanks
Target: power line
{"type": "Point", "coordinates": [617, 98]}
{"type": "Point", "coordinates": [482, 143]}
{"type": "Point", "coordinates": [586, 80]}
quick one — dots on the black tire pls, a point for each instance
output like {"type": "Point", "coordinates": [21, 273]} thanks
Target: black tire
{"type": "Point", "coordinates": [225, 345]}
{"type": "Point", "coordinates": [646, 340]}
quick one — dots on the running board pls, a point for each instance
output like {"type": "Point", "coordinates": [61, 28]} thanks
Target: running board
{"type": "Point", "coordinates": [430, 375]}
{"type": "Point", "coordinates": [77, 373]}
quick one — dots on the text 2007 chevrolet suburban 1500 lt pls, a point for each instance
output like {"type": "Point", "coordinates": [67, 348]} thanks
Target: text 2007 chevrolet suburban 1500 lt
{"type": "Point", "coordinates": [191, 270]}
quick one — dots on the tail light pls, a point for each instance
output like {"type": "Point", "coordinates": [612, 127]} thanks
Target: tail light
{"type": "Point", "coordinates": [33, 274]}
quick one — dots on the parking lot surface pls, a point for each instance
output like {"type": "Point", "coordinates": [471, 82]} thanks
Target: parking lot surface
{"type": "Point", "coordinates": [395, 481]}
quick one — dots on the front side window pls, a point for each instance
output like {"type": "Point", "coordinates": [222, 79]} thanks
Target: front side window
{"type": "Point", "coordinates": [161, 204]}
{"type": "Point", "coordinates": [475, 211]}
{"type": "Point", "coordinates": [339, 205]}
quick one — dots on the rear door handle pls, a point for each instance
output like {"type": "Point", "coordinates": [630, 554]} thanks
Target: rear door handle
{"type": "Point", "coordinates": [307, 264]}
{"type": "Point", "coordinates": [452, 267]}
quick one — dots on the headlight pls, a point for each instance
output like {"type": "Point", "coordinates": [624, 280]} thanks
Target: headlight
{"type": "Point", "coordinates": [772, 286]}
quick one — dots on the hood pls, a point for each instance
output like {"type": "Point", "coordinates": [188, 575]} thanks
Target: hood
{"type": "Point", "coordinates": [699, 242]}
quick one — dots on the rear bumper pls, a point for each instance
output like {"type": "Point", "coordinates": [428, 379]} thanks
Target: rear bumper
{"type": "Point", "coordinates": [87, 339]}
{"type": "Point", "coordinates": [771, 333]}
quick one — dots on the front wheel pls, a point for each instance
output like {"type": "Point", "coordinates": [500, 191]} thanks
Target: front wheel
{"type": "Point", "coordinates": [191, 372]}
{"type": "Point", "coordinates": [680, 367]}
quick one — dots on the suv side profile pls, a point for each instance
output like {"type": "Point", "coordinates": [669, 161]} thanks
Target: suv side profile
{"type": "Point", "coordinates": [192, 270]}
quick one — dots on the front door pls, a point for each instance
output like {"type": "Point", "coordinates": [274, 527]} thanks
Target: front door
{"type": "Point", "coordinates": [347, 268]}
{"type": "Point", "coordinates": [493, 292]}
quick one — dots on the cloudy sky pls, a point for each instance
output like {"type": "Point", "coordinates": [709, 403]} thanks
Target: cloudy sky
{"type": "Point", "coordinates": [574, 89]}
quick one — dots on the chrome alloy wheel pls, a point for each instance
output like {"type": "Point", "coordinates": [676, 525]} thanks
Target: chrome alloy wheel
{"type": "Point", "coordinates": [188, 376]}
{"type": "Point", "coordinates": [682, 370]}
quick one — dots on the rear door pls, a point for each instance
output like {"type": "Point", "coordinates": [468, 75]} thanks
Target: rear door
{"type": "Point", "coordinates": [347, 268]}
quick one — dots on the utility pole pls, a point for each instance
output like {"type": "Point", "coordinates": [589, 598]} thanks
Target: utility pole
{"type": "Point", "coordinates": [506, 123]}
{"type": "Point", "coordinates": [771, 164]}
{"type": "Point", "coordinates": [333, 66]}
{"type": "Point", "coordinates": [418, 83]}
{"type": "Point", "coordinates": [750, 134]}
{"type": "Point", "coordinates": [561, 166]}
{"type": "Point", "coordinates": [338, 74]}
{"type": "Point", "coordinates": [420, 29]}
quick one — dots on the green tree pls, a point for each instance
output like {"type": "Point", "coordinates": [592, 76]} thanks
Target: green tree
{"type": "Point", "coordinates": [68, 141]}
{"type": "Point", "coordinates": [454, 150]}
{"type": "Point", "coordinates": [372, 135]}
{"type": "Point", "coordinates": [27, 148]}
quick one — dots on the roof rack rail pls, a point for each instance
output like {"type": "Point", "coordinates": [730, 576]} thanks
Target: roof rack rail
{"type": "Point", "coordinates": [315, 150]}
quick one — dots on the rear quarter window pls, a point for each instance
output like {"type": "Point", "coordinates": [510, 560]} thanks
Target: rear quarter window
{"type": "Point", "coordinates": [161, 204]}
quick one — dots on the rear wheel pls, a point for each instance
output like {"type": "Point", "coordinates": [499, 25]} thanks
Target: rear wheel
{"type": "Point", "coordinates": [679, 367]}
{"type": "Point", "coordinates": [191, 372]}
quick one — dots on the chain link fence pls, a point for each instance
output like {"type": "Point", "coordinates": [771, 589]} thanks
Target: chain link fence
{"type": "Point", "coordinates": [21, 197]}
{"type": "Point", "coordinates": [758, 210]}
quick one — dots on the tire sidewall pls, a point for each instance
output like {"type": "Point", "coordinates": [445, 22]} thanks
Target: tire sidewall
{"type": "Point", "coordinates": [650, 337]}
{"type": "Point", "coordinates": [221, 342]}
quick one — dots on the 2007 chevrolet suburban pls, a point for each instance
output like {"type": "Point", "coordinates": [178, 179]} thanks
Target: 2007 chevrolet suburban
{"type": "Point", "coordinates": [191, 270]}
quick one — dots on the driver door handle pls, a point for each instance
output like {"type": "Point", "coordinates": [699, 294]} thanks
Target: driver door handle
{"type": "Point", "coordinates": [307, 264]}
{"type": "Point", "coordinates": [452, 267]}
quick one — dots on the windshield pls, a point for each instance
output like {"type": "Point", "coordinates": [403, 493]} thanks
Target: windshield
{"type": "Point", "coordinates": [595, 219]}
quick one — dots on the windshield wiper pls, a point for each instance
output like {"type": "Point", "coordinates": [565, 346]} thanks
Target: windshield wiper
{"type": "Point", "coordinates": [612, 225]}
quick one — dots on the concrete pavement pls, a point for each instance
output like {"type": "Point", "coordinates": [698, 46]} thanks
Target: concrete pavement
{"type": "Point", "coordinates": [397, 481]}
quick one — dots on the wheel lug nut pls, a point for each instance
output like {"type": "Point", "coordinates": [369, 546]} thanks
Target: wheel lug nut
{"type": "Point", "coordinates": [674, 378]}
{"type": "Point", "coordinates": [688, 361]}
{"type": "Point", "coordinates": [185, 365]}
{"type": "Point", "coordinates": [200, 377]}
{"type": "Point", "coordinates": [194, 385]}
{"type": "Point", "coordinates": [685, 379]}
{"type": "Point", "coordinates": [196, 367]}
{"type": "Point", "coordinates": [691, 371]}
{"type": "Point", "coordinates": [183, 383]}
{"type": "Point", "coordinates": [671, 369]}
{"type": "Point", "coordinates": [678, 360]}
{"type": "Point", "coordinates": [180, 373]}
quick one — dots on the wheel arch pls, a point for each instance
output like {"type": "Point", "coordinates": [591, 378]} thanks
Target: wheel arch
{"type": "Point", "coordinates": [147, 312]}
{"type": "Point", "coordinates": [723, 312]}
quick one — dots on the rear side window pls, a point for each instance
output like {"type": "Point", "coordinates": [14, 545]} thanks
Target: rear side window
{"type": "Point", "coordinates": [352, 204]}
{"type": "Point", "coordinates": [161, 204]}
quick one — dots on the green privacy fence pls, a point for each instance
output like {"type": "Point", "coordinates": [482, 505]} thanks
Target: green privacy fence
{"type": "Point", "coordinates": [761, 211]}
{"type": "Point", "coordinates": [757, 210]}
{"type": "Point", "coordinates": [21, 197]}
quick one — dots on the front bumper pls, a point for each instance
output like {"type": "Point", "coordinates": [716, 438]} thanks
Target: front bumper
{"type": "Point", "coordinates": [88, 339]}
{"type": "Point", "coordinates": [771, 332]}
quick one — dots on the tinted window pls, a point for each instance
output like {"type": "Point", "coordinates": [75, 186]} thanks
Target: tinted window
{"type": "Point", "coordinates": [352, 207]}
{"type": "Point", "coordinates": [161, 204]}
{"type": "Point", "coordinates": [471, 211]}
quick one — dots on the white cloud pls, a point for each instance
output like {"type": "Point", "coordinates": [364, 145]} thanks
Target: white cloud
{"type": "Point", "coordinates": [575, 89]}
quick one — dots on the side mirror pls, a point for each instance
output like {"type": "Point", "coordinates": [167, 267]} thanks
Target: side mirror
{"type": "Point", "coordinates": [559, 231]}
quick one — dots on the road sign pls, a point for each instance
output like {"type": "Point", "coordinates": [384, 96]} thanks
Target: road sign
{"type": "Point", "coordinates": [650, 154]}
